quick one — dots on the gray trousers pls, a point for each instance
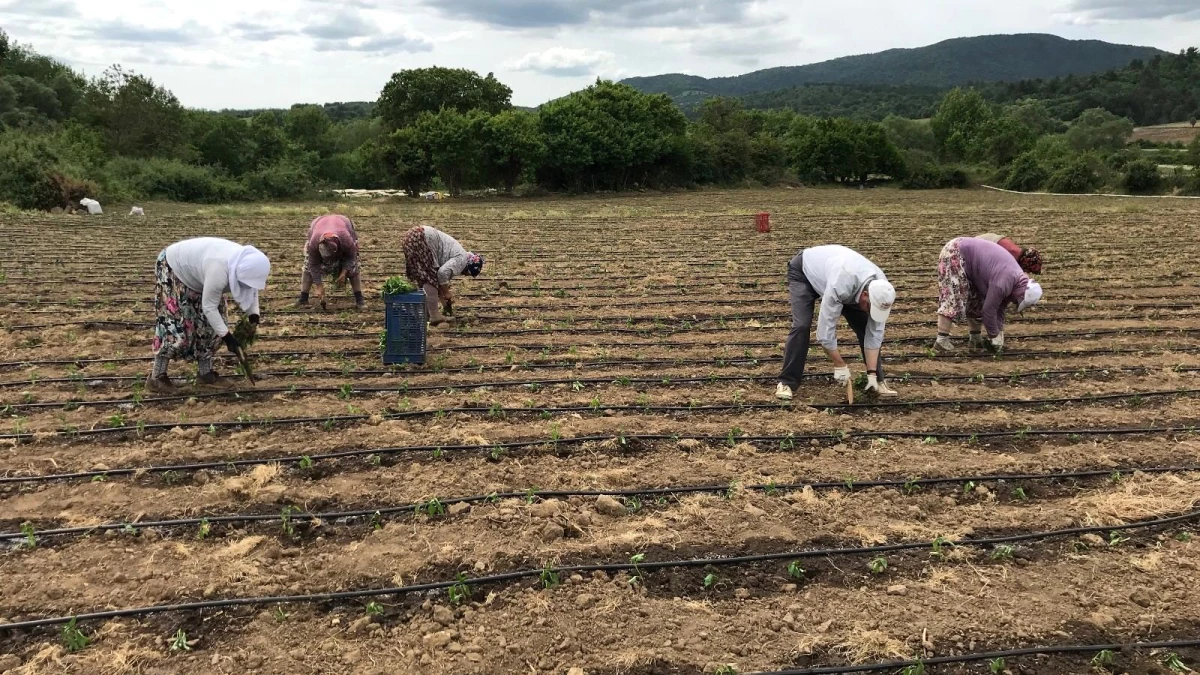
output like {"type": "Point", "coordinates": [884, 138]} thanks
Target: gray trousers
{"type": "Point", "coordinates": [803, 298]}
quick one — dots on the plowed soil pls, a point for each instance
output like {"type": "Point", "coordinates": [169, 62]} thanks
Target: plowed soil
{"type": "Point", "coordinates": [605, 399]}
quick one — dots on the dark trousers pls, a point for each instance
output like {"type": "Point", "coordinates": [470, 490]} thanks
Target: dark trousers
{"type": "Point", "coordinates": [803, 298]}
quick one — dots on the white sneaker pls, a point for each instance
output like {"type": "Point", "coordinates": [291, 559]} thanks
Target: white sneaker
{"type": "Point", "coordinates": [943, 344]}
{"type": "Point", "coordinates": [783, 392]}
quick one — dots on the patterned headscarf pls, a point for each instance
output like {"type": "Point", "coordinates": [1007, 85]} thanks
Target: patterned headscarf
{"type": "Point", "coordinates": [329, 246]}
{"type": "Point", "coordinates": [1030, 261]}
{"type": "Point", "coordinates": [474, 264]}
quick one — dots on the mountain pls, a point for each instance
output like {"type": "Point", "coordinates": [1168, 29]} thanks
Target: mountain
{"type": "Point", "coordinates": [988, 58]}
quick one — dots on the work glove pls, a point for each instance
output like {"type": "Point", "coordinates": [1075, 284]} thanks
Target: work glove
{"type": "Point", "coordinates": [880, 388]}
{"type": "Point", "coordinates": [841, 375]}
{"type": "Point", "coordinates": [232, 343]}
{"type": "Point", "coordinates": [254, 319]}
{"type": "Point", "coordinates": [997, 343]}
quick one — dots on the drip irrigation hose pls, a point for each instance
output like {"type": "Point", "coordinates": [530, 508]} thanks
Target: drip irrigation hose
{"type": "Point", "coordinates": [331, 516]}
{"type": "Point", "coordinates": [404, 388]}
{"type": "Point", "coordinates": [497, 384]}
{"type": "Point", "coordinates": [783, 441]}
{"type": "Point", "coordinates": [599, 409]}
{"type": "Point", "coordinates": [985, 656]}
{"type": "Point", "coordinates": [634, 363]}
{"type": "Point", "coordinates": [589, 568]}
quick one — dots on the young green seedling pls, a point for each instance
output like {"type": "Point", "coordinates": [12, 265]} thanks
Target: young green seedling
{"type": "Point", "coordinates": [637, 571]}
{"type": "Point", "coordinates": [549, 576]}
{"type": "Point", "coordinates": [285, 518]}
{"type": "Point", "coordinates": [306, 463]}
{"type": "Point", "coordinates": [1019, 494]}
{"type": "Point", "coordinates": [204, 529]}
{"type": "Point", "coordinates": [460, 591]}
{"type": "Point", "coordinates": [996, 666]}
{"type": "Point", "coordinates": [72, 638]}
{"type": "Point", "coordinates": [710, 580]}
{"type": "Point", "coordinates": [1173, 662]}
{"type": "Point", "coordinates": [30, 538]}
{"type": "Point", "coordinates": [917, 668]}
{"type": "Point", "coordinates": [725, 669]}
{"type": "Point", "coordinates": [1104, 659]}
{"type": "Point", "coordinates": [374, 609]}
{"type": "Point", "coordinates": [878, 565]}
{"type": "Point", "coordinates": [1003, 552]}
{"type": "Point", "coordinates": [794, 570]}
{"type": "Point", "coordinates": [179, 643]}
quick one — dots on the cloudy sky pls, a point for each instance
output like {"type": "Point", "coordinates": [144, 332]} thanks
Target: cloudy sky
{"type": "Point", "coordinates": [260, 53]}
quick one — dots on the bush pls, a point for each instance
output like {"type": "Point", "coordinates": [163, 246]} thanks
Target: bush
{"type": "Point", "coordinates": [1077, 177]}
{"type": "Point", "coordinates": [173, 180]}
{"type": "Point", "coordinates": [935, 177]}
{"type": "Point", "coordinates": [1026, 174]}
{"type": "Point", "coordinates": [1142, 177]}
{"type": "Point", "coordinates": [32, 175]}
{"type": "Point", "coordinates": [279, 181]}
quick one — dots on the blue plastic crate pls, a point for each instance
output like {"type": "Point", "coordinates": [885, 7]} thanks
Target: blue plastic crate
{"type": "Point", "coordinates": [405, 320]}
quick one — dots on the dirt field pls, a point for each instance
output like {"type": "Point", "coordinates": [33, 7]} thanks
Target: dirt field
{"type": "Point", "coordinates": [1180, 132]}
{"type": "Point", "coordinates": [623, 351]}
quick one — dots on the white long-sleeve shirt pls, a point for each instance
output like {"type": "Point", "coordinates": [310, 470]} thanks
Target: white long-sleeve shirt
{"type": "Point", "coordinates": [840, 275]}
{"type": "Point", "coordinates": [202, 264]}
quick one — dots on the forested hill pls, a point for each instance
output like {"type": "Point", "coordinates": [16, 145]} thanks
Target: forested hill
{"type": "Point", "coordinates": [989, 58]}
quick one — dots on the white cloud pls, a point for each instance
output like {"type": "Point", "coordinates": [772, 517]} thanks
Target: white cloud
{"type": "Point", "coordinates": [565, 62]}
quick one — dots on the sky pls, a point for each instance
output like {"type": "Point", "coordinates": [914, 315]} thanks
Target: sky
{"type": "Point", "coordinates": [269, 53]}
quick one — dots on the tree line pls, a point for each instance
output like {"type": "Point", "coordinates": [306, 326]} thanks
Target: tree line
{"type": "Point", "coordinates": [120, 136]}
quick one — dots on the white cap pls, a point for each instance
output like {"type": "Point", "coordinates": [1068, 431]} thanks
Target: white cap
{"type": "Point", "coordinates": [1033, 293]}
{"type": "Point", "coordinates": [882, 294]}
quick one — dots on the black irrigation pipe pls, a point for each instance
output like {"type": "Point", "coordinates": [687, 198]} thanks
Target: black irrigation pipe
{"type": "Point", "coordinates": [500, 384]}
{"type": "Point", "coordinates": [505, 411]}
{"type": "Point", "coordinates": [634, 363]}
{"type": "Point", "coordinates": [332, 516]}
{"type": "Point", "coordinates": [600, 409]}
{"type": "Point", "coordinates": [631, 566]}
{"type": "Point", "coordinates": [783, 441]}
{"type": "Point", "coordinates": [663, 380]}
{"type": "Point", "coordinates": [985, 656]}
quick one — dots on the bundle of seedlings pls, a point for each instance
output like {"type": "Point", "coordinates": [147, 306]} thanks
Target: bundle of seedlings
{"type": "Point", "coordinates": [245, 333]}
{"type": "Point", "coordinates": [398, 285]}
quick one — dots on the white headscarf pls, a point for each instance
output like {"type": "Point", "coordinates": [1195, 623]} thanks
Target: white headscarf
{"type": "Point", "coordinates": [248, 272]}
{"type": "Point", "coordinates": [1033, 293]}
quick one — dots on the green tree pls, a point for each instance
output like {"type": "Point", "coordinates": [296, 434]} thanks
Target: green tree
{"type": "Point", "coordinates": [910, 134]}
{"type": "Point", "coordinates": [843, 150]}
{"type": "Point", "coordinates": [402, 160]}
{"type": "Point", "coordinates": [309, 128]}
{"type": "Point", "coordinates": [428, 90]}
{"type": "Point", "coordinates": [1026, 174]}
{"type": "Point", "coordinates": [611, 136]}
{"type": "Point", "coordinates": [270, 145]}
{"type": "Point", "coordinates": [1142, 177]}
{"type": "Point", "coordinates": [1002, 140]}
{"type": "Point", "coordinates": [228, 143]}
{"type": "Point", "coordinates": [451, 145]}
{"type": "Point", "coordinates": [510, 143]}
{"type": "Point", "coordinates": [1098, 129]}
{"type": "Point", "coordinates": [960, 122]}
{"type": "Point", "coordinates": [139, 118]}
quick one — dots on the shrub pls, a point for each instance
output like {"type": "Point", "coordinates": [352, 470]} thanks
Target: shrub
{"type": "Point", "coordinates": [1026, 174]}
{"type": "Point", "coordinates": [26, 167]}
{"type": "Point", "coordinates": [279, 181]}
{"type": "Point", "coordinates": [173, 180]}
{"type": "Point", "coordinates": [1142, 177]}
{"type": "Point", "coordinates": [1076, 177]}
{"type": "Point", "coordinates": [935, 177]}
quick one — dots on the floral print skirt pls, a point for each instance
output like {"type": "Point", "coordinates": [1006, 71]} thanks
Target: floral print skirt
{"type": "Point", "coordinates": [956, 297]}
{"type": "Point", "coordinates": [181, 331]}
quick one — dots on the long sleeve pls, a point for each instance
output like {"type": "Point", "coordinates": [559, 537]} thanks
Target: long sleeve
{"type": "Point", "coordinates": [452, 268]}
{"type": "Point", "coordinates": [993, 309]}
{"type": "Point", "coordinates": [216, 280]}
{"type": "Point", "coordinates": [874, 336]}
{"type": "Point", "coordinates": [314, 261]}
{"type": "Point", "coordinates": [831, 310]}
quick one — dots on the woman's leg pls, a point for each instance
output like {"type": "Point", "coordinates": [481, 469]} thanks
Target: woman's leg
{"type": "Point", "coordinates": [431, 304]}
